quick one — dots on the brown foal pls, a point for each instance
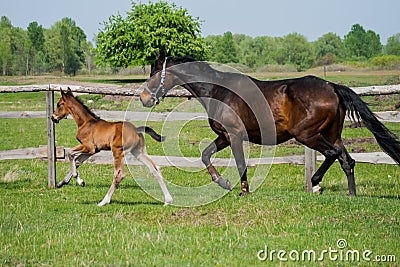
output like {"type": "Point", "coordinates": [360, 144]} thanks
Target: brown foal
{"type": "Point", "coordinates": [95, 134]}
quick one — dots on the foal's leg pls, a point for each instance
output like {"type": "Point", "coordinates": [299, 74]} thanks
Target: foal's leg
{"type": "Point", "coordinates": [218, 144]}
{"type": "Point", "coordinates": [143, 157]}
{"type": "Point", "coordinates": [118, 176]}
{"type": "Point", "coordinates": [76, 158]}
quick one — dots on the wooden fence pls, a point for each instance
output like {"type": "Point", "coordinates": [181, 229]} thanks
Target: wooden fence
{"type": "Point", "coordinates": [52, 153]}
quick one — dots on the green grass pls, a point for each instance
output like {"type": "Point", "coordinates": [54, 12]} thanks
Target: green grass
{"type": "Point", "coordinates": [65, 227]}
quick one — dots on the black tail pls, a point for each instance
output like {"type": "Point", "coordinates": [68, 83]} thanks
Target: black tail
{"type": "Point", "coordinates": [151, 132]}
{"type": "Point", "coordinates": [358, 109]}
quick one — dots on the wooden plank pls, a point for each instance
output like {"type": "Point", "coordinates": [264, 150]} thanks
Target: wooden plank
{"type": "Point", "coordinates": [386, 116]}
{"type": "Point", "coordinates": [105, 157]}
{"type": "Point", "coordinates": [178, 92]}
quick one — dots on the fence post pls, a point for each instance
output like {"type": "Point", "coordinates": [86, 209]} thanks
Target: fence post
{"type": "Point", "coordinates": [51, 144]}
{"type": "Point", "coordinates": [310, 167]}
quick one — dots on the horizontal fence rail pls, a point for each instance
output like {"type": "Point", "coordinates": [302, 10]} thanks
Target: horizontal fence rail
{"type": "Point", "coordinates": [135, 91]}
{"type": "Point", "coordinates": [386, 116]}
{"type": "Point", "coordinates": [105, 157]}
{"type": "Point", "coordinates": [376, 157]}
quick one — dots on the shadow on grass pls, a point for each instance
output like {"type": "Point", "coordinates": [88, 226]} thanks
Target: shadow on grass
{"type": "Point", "coordinates": [126, 203]}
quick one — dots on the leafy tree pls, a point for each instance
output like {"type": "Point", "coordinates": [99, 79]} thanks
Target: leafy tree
{"type": "Point", "coordinates": [35, 44]}
{"type": "Point", "coordinates": [362, 44]}
{"type": "Point", "coordinates": [296, 50]}
{"type": "Point", "coordinates": [393, 45]}
{"type": "Point", "coordinates": [5, 45]}
{"type": "Point", "coordinates": [148, 29]}
{"type": "Point", "coordinates": [328, 48]}
{"type": "Point", "coordinates": [225, 49]}
{"type": "Point", "coordinates": [66, 45]}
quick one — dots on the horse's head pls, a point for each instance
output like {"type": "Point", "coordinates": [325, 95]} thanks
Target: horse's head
{"type": "Point", "coordinates": [62, 109]}
{"type": "Point", "coordinates": [162, 79]}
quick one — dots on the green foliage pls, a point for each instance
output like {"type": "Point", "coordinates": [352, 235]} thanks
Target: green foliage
{"type": "Point", "coordinates": [148, 29]}
{"type": "Point", "coordinates": [328, 48]}
{"type": "Point", "coordinates": [393, 45]}
{"type": "Point", "coordinates": [362, 44]}
{"type": "Point", "coordinates": [37, 50]}
{"type": "Point", "coordinates": [225, 49]}
{"type": "Point", "coordinates": [386, 62]}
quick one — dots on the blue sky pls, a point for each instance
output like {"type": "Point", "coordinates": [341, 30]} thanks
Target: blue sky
{"type": "Point", "coordinates": [312, 18]}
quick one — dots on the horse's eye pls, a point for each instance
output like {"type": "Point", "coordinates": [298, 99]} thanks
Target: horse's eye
{"type": "Point", "coordinates": [58, 105]}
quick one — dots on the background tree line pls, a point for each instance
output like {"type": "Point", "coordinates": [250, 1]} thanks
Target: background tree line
{"type": "Point", "coordinates": [294, 50]}
{"type": "Point", "coordinates": [36, 50]}
{"type": "Point", "coordinates": [134, 40]}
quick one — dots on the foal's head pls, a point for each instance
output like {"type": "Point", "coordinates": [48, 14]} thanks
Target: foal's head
{"type": "Point", "coordinates": [62, 109]}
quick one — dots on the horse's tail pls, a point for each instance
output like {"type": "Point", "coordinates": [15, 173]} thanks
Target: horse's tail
{"type": "Point", "coordinates": [357, 109]}
{"type": "Point", "coordinates": [151, 132]}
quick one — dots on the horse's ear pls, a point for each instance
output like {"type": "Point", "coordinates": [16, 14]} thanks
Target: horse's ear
{"type": "Point", "coordinates": [160, 59]}
{"type": "Point", "coordinates": [161, 55]}
{"type": "Point", "coordinates": [69, 92]}
{"type": "Point", "coordinates": [62, 93]}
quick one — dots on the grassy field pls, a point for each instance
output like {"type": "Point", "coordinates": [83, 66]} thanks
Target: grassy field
{"type": "Point", "coordinates": [64, 227]}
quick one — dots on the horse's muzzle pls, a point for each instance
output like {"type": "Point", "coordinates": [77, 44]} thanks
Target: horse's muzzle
{"type": "Point", "coordinates": [54, 119]}
{"type": "Point", "coordinates": [148, 102]}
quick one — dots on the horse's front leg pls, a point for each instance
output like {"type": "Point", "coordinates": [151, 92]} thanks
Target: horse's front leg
{"type": "Point", "coordinates": [238, 153]}
{"type": "Point", "coordinates": [78, 162]}
{"type": "Point", "coordinates": [76, 158]}
{"type": "Point", "coordinates": [220, 143]}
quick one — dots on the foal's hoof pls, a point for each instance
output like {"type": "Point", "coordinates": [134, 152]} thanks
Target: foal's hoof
{"type": "Point", "coordinates": [60, 184]}
{"type": "Point", "coordinates": [82, 184]}
{"type": "Point", "coordinates": [224, 183]}
{"type": "Point", "coordinates": [317, 189]}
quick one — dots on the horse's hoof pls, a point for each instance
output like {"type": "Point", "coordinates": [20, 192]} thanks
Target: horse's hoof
{"type": "Point", "coordinates": [224, 183]}
{"type": "Point", "coordinates": [317, 189]}
{"type": "Point", "coordinates": [82, 184]}
{"type": "Point", "coordinates": [242, 194]}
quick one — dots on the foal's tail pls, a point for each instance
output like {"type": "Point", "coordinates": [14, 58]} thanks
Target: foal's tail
{"type": "Point", "coordinates": [358, 109]}
{"type": "Point", "coordinates": [151, 132]}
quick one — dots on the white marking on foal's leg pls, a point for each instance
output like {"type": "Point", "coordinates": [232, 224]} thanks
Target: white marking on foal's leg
{"type": "Point", "coordinates": [157, 174]}
{"type": "Point", "coordinates": [80, 181]}
{"type": "Point", "coordinates": [106, 200]}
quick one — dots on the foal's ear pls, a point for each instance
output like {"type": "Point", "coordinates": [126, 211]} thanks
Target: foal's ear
{"type": "Point", "coordinates": [62, 93]}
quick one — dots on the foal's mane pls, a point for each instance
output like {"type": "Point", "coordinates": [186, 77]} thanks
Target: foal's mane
{"type": "Point", "coordinates": [84, 106]}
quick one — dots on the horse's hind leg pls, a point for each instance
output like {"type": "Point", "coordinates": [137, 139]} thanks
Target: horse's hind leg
{"type": "Point", "coordinates": [118, 176]}
{"type": "Point", "coordinates": [348, 164]}
{"type": "Point", "coordinates": [331, 153]}
{"type": "Point", "coordinates": [218, 144]}
{"type": "Point", "coordinates": [143, 157]}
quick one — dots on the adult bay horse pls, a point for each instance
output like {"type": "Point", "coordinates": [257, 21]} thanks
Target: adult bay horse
{"type": "Point", "coordinates": [309, 109]}
{"type": "Point", "coordinates": [95, 134]}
